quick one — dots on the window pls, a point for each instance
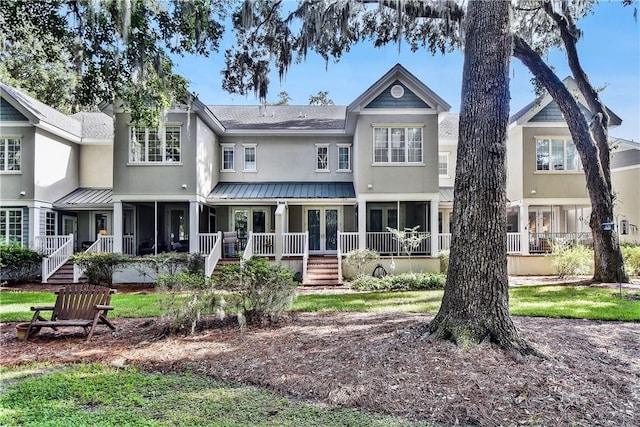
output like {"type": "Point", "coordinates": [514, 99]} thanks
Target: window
{"type": "Point", "coordinates": [443, 165]}
{"type": "Point", "coordinates": [397, 145]}
{"type": "Point", "coordinates": [155, 146]}
{"type": "Point", "coordinates": [11, 226]}
{"type": "Point", "coordinates": [228, 163]}
{"type": "Point", "coordinates": [9, 154]}
{"type": "Point", "coordinates": [322, 158]}
{"type": "Point", "coordinates": [50, 224]}
{"type": "Point", "coordinates": [250, 158]}
{"type": "Point", "coordinates": [557, 154]}
{"type": "Point", "coordinates": [344, 158]}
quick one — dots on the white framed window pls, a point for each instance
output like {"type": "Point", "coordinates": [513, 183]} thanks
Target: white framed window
{"type": "Point", "coordinates": [557, 154]}
{"type": "Point", "coordinates": [322, 157]}
{"type": "Point", "coordinates": [151, 145]}
{"type": "Point", "coordinates": [250, 151]}
{"type": "Point", "coordinates": [397, 145]}
{"type": "Point", "coordinates": [228, 157]}
{"type": "Point", "coordinates": [344, 157]}
{"type": "Point", "coordinates": [50, 223]}
{"type": "Point", "coordinates": [443, 165]}
{"type": "Point", "coordinates": [11, 226]}
{"type": "Point", "coordinates": [10, 154]}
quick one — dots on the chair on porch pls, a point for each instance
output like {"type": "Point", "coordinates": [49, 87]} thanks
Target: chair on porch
{"type": "Point", "coordinates": [230, 243]}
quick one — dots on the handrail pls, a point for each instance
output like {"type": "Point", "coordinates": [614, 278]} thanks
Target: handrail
{"type": "Point", "coordinates": [214, 256]}
{"type": "Point", "coordinates": [206, 242]}
{"type": "Point", "coordinates": [248, 250]}
{"type": "Point", "coordinates": [46, 245]}
{"type": "Point", "coordinates": [56, 259]}
{"type": "Point", "coordinates": [305, 256]}
{"type": "Point", "coordinates": [339, 254]}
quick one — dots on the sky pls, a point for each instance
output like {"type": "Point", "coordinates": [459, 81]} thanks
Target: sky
{"type": "Point", "coordinates": [609, 51]}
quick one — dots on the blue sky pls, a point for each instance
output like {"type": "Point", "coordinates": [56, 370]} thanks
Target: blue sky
{"type": "Point", "coordinates": [609, 51]}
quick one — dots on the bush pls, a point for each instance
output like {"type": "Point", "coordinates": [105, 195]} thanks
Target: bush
{"type": "Point", "coordinates": [571, 260]}
{"type": "Point", "coordinates": [99, 266]}
{"type": "Point", "coordinates": [359, 258]}
{"type": "Point", "coordinates": [183, 297]}
{"type": "Point", "coordinates": [170, 263]}
{"type": "Point", "coordinates": [265, 291]}
{"type": "Point", "coordinates": [19, 264]}
{"type": "Point", "coordinates": [401, 282]}
{"type": "Point", "coordinates": [631, 256]}
{"type": "Point", "coordinates": [444, 261]}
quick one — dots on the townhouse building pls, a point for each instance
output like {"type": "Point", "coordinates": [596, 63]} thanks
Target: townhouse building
{"type": "Point", "coordinates": [302, 185]}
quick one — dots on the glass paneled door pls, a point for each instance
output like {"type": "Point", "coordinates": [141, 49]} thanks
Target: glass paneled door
{"type": "Point", "coordinates": [323, 224]}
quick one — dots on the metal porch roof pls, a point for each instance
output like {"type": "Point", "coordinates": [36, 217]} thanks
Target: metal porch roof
{"type": "Point", "coordinates": [86, 198]}
{"type": "Point", "coordinates": [283, 190]}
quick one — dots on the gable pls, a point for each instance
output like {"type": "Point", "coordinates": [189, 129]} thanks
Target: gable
{"type": "Point", "coordinates": [551, 113]}
{"type": "Point", "coordinates": [386, 98]}
{"type": "Point", "coordinates": [8, 113]}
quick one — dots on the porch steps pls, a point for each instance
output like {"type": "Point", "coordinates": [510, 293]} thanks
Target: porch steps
{"type": "Point", "coordinates": [64, 275]}
{"type": "Point", "coordinates": [322, 271]}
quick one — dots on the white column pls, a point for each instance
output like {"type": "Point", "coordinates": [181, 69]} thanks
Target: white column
{"type": "Point", "coordinates": [280, 216]}
{"type": "Point", "coordinates": [523, 217]}
{"type": "Point", "coordinates": [362, 225]}
{"type": "Point", "coordinates": [434, 227]}
{"type": "Point", "coordinates": [34, 226]}
{"type": "Point", "coordinates": [117, 227]}
{"type": "Point", "coordinates": [194, 239]}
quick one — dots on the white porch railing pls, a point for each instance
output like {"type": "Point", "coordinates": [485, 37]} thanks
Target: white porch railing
{"type": "Point", "coordinates": [53, 261]}
{"type": "Point", "coordinates": [206, 241]}
{"type": "Point", "coordinates": [248, 249]}
{"type": "Point", "coordinates": [386, 244]}
{"type": "Point", "coordinates": [513, 243]}
{"type": "Point", "coordinates": [347, 241]}
{"type": "Point", "coordinates": [293, 244]}
{"type": "Point", "coordinates": [444, 241]}
{"type": "Point", "coordinates": [305, 256]}
{"type": "Point", "coordinates": [543, 242]}
{"type": "Point", "coordinates": [46, 245]}
{"type": "Point", "coordinates": [339, 254]}
{"type": "Point", "coordinates": [264, 244]}
{"type": "Point", "coordinates": [214, 255]}
{"type": "Point", "coordinates": [127, 245]}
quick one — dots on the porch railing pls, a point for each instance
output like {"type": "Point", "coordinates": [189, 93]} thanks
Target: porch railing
{"type": "Point", "coordinates": [513, 243]}
{"type": "Point", "coordinates": [543, 242]}
{"type": "Point", "coordinates": [444, 241]}
{"type": "Point", "coordinates": [53, 261]}
{"type": "Point", "coordinates": [264, 244]}
{"type": "Point", "coordinates": [127, 245]}
{"type": "Point", "coordinates": [248, 249]}
{"type": "Point", "coordinates": [214, 255]}
{"type": "Point", "coordinates": [347, 241]}
{"type": "Point", "coordinates": [46, 245]}
{"type": "Point", "coordinates": [305, 256]}
{"type": "Point", "coordinates": [206, 241]}
{"type": "Point", "coordinates": [386, 244]}
{"type": "Point", "coordinates": [293, 244]}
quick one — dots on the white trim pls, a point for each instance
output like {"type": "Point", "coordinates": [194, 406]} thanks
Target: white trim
{"type": "Point", "coordinates": [398, 125]}
{"type": "Point", "coordinates": [398, 197]}
{"type": "Point", "coordinates": [244, 157]}
{"type": "Point", "coordinates": [447, 154]}
{"type": "Point", "coordinates": [327, 146]}
{"type": "Point", "coordinates": [625, 168]}
{"type": "Point", "coordinates": [289, 132]}
{"type": "Point", "coordinates": [222, 147]}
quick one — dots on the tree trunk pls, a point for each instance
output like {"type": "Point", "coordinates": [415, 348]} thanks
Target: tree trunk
{"type": "Point", "coordinates": [608, 261]}
{"type": "Point", "coordinates": [475, 305]}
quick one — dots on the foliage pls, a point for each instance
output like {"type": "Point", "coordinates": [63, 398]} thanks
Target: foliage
{"type": "Point", "coordinates": [265, 290]}
{"type": "Point", "coordinates": [631, 256]}
{"type": "Point", "coordinates": [19, 264]}
{"type": "Point", "coordinates": [183, 297]}
{"type": "Point", "coordinates": [400, 282]}
{"type": "Point", "coordinates": [571, 260]}
{"type": "Point", "coordinates": [99, 267]}
{"type": "Point", "coordinates": [170, 263]}
{"type": "Point", "coordinates": [359, 258]}
{"type": "Point", "coordinates": [409, 238]}
{"type": "Point", "coordinates": [96, 395]}
{"type": "Point", "coordinates": [322, 98]}
{"type": "Point", "coordinates": [283, 99]}
{"type": "Point", "coordinates": [444, 261]}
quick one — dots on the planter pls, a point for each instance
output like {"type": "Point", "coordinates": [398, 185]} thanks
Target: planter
{"type": "Point", "coordinates": [21, 331]}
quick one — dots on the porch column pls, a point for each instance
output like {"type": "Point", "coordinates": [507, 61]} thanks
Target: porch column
{"type": "Point", "coordinates": [362, 225]}
{"type": "Point", "coordinates": [434, 227]}
{"type": "Point", "coordinates": [194, 239]}
{"type": "Point", "coordinates": [34, 226]}
{"type": "Point", "coordinates": [280, 218]}
{"type": "Point", "coordinates": [523, 217]}
{"type": "Point", "coordinates": [117, 227]}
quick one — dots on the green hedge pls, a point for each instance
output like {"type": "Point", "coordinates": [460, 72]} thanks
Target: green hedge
{"type": "Point", "coordinates": [401, 282]}
{"type": "Point", "coordinates": [631, 255]}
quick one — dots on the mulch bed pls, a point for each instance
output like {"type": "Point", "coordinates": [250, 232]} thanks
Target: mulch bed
{"type": "Point", "coordinates": [381, 362]}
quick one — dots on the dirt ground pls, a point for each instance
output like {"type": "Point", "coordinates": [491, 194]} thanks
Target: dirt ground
{"type": "Point", "coordinates": [381, 362]}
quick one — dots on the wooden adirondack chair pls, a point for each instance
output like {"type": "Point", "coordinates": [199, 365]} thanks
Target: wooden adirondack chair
{"type": "Point", "coordinates": [76, 305]}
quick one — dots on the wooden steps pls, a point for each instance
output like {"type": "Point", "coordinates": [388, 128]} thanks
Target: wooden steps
{"type": "Point", "coordinates": [322, 271]}
{"type": "Point", "coordinates": [64, 275]}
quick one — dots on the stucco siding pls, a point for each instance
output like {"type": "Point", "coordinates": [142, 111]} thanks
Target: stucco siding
{"type": "Point", "coordinates": [12, 183]}
{"type": "Point", "coordinates": [626, 185]}
{"type": "Point", "coordinates": [96, 166]}
{"type": "Point", "coordinates": [207, 174]}
{"type": "Point", "coordinates": [515, 165]}
{"type": "Point", "coordinates": [56, 166]}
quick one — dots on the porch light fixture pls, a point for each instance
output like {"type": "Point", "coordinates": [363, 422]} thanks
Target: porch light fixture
{"type": "Point", "coordinates": [369, 186]}
{"type": "Point", "coordinates": [184, 186]}
{"type": "Point", "coordinates": [23, 193]}
{"type": "Point", "coordinates": [533, 191]}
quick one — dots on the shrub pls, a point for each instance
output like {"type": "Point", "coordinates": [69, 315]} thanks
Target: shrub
{"type": "Point", "coordinates": [170, 263]}
{"type": "Point", "coordinates": [631, 256]}
{"type": "Point", "coordinates": [359, 258]}
{"type": "Point", "coordinates": [444, 261]}
{"type": "Point", "coordinates": [99, 266]}
{"type": "Point", "coordinates": [401, 282]}
{"type": "Point", "coordinates": [571, 260]}
{"type": "Point", "coordinates": [19, 264]}
{"type": "Point", "coordinates": [265, 291]}
{"type": "Point", "coordinates": [183, 297]}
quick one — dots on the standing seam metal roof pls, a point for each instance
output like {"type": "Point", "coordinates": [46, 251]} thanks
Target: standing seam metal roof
{"type": "Point", "coordinates": [283, 190]}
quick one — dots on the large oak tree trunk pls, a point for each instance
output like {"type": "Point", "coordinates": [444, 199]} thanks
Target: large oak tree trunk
{"type": "Point", "coordinates": [475, 305]}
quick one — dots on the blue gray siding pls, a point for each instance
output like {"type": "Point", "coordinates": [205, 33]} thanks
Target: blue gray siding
{"type": "Point", "coordinates": [552, 113]}
{"type": "Point", "coordinates": [408, 100]}
{"type": "Point", "coordinates": [8, 113]}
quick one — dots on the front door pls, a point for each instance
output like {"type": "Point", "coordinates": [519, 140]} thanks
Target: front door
{"type": "Point", "coordinates": [323, 224]}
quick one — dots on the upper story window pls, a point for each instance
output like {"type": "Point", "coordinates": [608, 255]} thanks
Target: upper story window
{"type": "Point", "coordinates": [557, 154]}
{"type": "Point", "coordinates": [148, 145]}
{"type": "Point", "coordinates": [50, 223]}
{"type": "Point", "coordinates": [443, 165]}
{"type": "Point", "coordinates": [228, 157]}
{"type": "Point", "coordinates": [11, 226]}
{"type": "Point", "coordinates": [250, 158]}
{"type": "Point", "coordinates": [344, 158]}
{"type": "Point", "coordinates": [9, 154]}
{"type": "Point", "coordinates": [397, 145]}
{"type": "Point", "coordinates": [322, 157]}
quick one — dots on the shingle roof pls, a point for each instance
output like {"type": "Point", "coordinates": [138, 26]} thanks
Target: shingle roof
{"type": "Point", "coordinates": [283, 190]}
{"type": "Point", "coordinates": [448, 127]}
{"type": "Point", "coordinates": [280, 117]}
{"type": "Point", "coordinates": [86, 198]}
{"type": "Point", "coordinates": [446, 194]}
{"type": "Point", "coordinates": [95, 125]}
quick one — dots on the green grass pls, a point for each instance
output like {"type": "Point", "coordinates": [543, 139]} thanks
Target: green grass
{"type": "Point", "coordinates": [88, 395]}
{"type": "Point", "coordinates": [543, 301]}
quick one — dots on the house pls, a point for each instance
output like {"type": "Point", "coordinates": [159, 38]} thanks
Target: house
{"type": "Point", "coordinates": [302, 185]}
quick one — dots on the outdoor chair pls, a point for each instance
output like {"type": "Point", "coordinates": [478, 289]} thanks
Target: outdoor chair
{"type": "Point", "coordinates": [76, 305]}
{"type": "Point", "coordinates": [230, 243]}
